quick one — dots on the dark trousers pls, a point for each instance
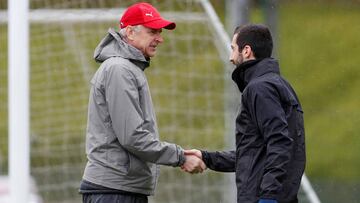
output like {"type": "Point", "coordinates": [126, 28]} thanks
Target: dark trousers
{"type": "Point", "coordinates": [114, 198]}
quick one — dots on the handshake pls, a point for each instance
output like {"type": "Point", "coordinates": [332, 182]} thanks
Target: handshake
{"type": "Point", "coordinates": [193, 163]}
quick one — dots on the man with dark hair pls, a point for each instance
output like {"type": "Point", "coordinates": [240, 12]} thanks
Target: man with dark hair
{"type": "Point", "coordinates": [256, 36]}
{"type": "Point", "coordinates": [269, 159]}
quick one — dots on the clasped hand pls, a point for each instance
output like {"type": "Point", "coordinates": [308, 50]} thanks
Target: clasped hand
{"type": "Point", "coordinates": [194, 162]}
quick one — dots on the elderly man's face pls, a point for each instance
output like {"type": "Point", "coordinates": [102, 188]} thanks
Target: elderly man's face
{"type": "Point", "coordinates": [146, 40]}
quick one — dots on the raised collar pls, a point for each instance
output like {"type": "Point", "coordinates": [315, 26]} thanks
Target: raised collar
{"type": "Point", "coordinates": [249, 70]}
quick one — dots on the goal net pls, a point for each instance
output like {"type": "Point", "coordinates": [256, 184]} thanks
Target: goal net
{"type": "Point", "coordinates": [187, 80]}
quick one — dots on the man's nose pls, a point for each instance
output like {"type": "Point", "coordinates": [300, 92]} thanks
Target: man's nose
{"type": "Point", "coordinates": [160, 39]}
{"type": "Point", "coordinates": [231, 59]}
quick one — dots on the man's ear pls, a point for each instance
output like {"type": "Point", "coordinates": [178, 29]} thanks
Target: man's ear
{"type": "Point", "coordinates": [129, 32]}
{"type": "Point", "coordinates": [248, 53]}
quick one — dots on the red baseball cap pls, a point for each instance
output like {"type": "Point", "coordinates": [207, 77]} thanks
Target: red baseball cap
{"type": "Point", "coordinates": [145, 14]}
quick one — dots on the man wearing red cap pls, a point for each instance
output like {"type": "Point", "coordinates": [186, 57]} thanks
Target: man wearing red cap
{"type": "Point", "coordinates": [122, 142]}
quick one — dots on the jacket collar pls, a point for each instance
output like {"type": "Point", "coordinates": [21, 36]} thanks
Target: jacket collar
{"type": "Point", "coordinates": [247, 71]}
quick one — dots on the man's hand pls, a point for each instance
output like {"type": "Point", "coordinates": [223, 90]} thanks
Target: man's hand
{"type": "Point", "coordinates": [194, 152]}
{"type": "Point", "coordinates": [193, 164]}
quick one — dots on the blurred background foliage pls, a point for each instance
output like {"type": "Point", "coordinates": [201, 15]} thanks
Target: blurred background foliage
{"type": "Point", "coordinates": [319, 48]}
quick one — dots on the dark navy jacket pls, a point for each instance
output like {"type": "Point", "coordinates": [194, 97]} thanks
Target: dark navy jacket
{"type": "Point", "coordinates": [269, 160]}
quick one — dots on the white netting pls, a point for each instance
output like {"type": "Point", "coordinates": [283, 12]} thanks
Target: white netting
{"type": "Point", "coordinates": [186, 80]}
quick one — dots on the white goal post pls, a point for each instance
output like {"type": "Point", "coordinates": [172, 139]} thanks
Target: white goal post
{"type": "Point", "coordinates": [18, 101]}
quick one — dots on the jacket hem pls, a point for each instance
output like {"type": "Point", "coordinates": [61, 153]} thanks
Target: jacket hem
{"type": "Point", "coordinates": [120, 187]}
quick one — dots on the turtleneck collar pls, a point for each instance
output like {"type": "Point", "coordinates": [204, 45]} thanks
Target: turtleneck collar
{"type": "Point", "coordinates": [249, 70]}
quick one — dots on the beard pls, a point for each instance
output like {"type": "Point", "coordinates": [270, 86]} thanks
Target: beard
{"type": "Point", "coordinates": [239, 60]}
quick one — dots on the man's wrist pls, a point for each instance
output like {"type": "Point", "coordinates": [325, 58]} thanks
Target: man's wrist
{"type": "Point", "coordinates": [182, 158]}
{"type": "Point", "coordinates": [204, 156]}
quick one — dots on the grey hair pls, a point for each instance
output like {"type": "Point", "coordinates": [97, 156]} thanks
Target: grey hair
{"type": "Point", "coordinates": [122, 31]}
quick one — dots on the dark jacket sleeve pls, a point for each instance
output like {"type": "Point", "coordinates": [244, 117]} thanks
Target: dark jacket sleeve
{"type": "Point", "coordinates": [222, 161]}
{"type": "Point", "coordinates": [266, 110]}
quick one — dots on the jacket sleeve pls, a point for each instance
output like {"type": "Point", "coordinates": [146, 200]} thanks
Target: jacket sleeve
{"type": "Point", "coordinates": [131, 129]}
{"type": "Point", "coordinates": [221, 161]}
{"type": "Point", "coordinates": [266, 109]}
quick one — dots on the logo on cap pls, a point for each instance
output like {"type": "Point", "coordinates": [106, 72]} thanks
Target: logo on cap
{"type": "Point", "coordinates": [149, 14]}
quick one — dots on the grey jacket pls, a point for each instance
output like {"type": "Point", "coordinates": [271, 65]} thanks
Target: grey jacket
{"type": "Point", "coordinates": [122, 140]}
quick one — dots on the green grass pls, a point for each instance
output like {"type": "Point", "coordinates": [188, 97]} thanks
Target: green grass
{"type": "Point", "coordinates": [3, 100]}
{"type": "Point", "coordinates": [319, 45]}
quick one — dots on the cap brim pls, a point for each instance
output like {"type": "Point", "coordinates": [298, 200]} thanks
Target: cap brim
{"type": "Point", "coordinates": [160, 23]}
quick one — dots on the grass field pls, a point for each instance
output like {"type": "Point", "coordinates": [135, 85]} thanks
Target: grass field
{"type": "Point", "coordinates": [318, 52]}
{"type": "Point", "coordinates": [319, 47]}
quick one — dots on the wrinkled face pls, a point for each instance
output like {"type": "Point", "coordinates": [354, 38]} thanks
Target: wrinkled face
{"type": "Point", "coordinates": [236, 56]}
{"type": "Point", "coordinates": [146, 40]}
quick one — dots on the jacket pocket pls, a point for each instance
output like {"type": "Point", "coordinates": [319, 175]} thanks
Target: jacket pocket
{"type": "Point", "coordinates": [247, 170]}
{"type": "Point", "coordinates": [118, 159]}
{"type": "Point", "coordinates": [138, 167]}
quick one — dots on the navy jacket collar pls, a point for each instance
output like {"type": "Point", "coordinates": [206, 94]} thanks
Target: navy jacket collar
{"type": "Point", "coordinates": [249, 70]}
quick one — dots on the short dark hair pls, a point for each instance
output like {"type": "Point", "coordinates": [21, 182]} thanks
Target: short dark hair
{"type": "Point", "coordinates": [257, 36]}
